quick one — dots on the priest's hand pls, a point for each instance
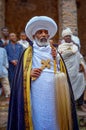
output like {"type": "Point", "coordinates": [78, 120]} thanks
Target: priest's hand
{"type": "Point", "coordinates": [35, 73]}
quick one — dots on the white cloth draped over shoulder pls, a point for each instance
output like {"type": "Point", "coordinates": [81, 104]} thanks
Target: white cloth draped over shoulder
{"type": "Point", "coordinates": [72, 59]}
{"type": "Point", "coordinates": [43, 92]}
{"type": "Point", "coordinates": [24, 43]}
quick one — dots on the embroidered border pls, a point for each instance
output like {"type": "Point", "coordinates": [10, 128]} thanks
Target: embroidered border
{"type": "Point", "coordinates": [27, 110]}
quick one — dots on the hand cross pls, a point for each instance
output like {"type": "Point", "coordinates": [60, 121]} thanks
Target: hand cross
{"type": "Point", "coordinates": [45, 63]}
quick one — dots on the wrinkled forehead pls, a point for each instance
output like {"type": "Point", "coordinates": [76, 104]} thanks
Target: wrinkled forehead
{"type": "Point", "coordinates": [42, 31]}
{"type": "Point", "coordinates": [12, 35]}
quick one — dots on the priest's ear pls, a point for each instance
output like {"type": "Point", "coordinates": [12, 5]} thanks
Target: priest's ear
{"type": "Point", "coordinates": [33, 36]}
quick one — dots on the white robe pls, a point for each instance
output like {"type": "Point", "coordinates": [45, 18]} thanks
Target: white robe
{"type": "Point", "coordinates": [72, 59]}
{"type": "Point", "coordinates": [24, 43]}
{"type": "Point", "coordinates": [43, 92]}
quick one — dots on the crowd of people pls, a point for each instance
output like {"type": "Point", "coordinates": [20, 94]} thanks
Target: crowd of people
{"type": "Point", "coordinates": [10, 51]}
{"type": "Point", "coordinates": [45, 73]}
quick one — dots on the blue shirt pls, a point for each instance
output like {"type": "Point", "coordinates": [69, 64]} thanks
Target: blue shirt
{"type": "Point", "coordinates": [14, 51]}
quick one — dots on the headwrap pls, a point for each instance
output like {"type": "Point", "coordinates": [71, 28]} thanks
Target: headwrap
{"type": "Point", "coordinates": [38, 23]}
{"type": "Point", "coordinates": [66, 32]}
{"type": "Point", "coordinates": [76, 40]}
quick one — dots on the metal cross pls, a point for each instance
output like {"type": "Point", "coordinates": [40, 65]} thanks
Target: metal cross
{"type": "Point", "coordinates": [45, 64]}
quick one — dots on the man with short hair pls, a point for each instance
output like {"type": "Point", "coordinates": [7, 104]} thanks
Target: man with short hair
{"type": "Point", "coordinates": [5, 37]}
{"type": "Point", "coordinates": [23, 40]}
{"type": "Point", "coordinates": [14, 51]}
{"type": "Point", "coordinates": [33, 101]}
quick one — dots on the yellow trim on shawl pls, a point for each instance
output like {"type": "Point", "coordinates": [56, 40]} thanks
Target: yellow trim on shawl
{"type": "Point", "coordinates": [63, 100]}
{"type": "Point", "coordinates": [27, 64]}
{"type": "Point", "coordinates": [62, 66]}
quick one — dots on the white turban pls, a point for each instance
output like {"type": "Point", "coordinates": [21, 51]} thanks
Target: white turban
{"type": "Point", "coordinates": [76, 40]}
{"type": "Point", "coordinates": [38, 23]}
{"type": "Point", "coordinates": [66, 32]}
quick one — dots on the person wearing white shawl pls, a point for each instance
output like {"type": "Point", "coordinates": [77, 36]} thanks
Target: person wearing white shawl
{"type": "Point", "coordinates": [72, 59]}
{"type": "Point", "coordinates": [40, 30]}
{"type": "Point", "coordinates": [74, 38]}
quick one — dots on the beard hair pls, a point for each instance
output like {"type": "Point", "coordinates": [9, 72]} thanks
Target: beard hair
{"type": "Point", "coordinates": [42, 42]}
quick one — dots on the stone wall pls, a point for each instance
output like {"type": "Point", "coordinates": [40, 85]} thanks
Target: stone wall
{"type": "Point", "coordinates": [67, 15]}
{"type": "Point", "coordinates": [81, 8]}
{"type": "Point", "coordinates": [2, 13]}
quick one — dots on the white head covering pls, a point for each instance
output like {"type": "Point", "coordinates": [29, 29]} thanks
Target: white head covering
{"type": "Point", "coordinates": [66, 32]}
{"type": "Point", "coordinates": [40, 22]}
{"type": "Point", "coordinates": [76, 40]}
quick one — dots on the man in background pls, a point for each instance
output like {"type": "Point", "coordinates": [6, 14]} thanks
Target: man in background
{"type": "Point", "coordinates": [73, 60]}
{"type": "Point", "coordinates": [23, 40]}
{"type": "Point", "coordinates": [5, 37]}
{"type": "Point", "coordinates": [14, 51]}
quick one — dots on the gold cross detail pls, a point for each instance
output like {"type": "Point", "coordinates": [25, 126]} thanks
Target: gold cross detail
{"type": "Point", "coordinates": [45, 63]}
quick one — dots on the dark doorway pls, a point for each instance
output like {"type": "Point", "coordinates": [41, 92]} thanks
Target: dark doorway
{"type": "Point", "coordinates": [18, 12]}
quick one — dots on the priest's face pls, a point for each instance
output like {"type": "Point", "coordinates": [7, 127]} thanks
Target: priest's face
{"type": "Point", "coordinates": [42, 37]}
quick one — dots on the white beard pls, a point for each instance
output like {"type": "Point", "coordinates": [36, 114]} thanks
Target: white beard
{"type": "Point", "coordinates": [42, 43]}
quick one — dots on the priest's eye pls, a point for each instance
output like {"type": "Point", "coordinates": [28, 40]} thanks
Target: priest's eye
{"type": "Point", "coordinates": [39, 32]}
{"type": "Point", "coordinates": [46, 32]}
